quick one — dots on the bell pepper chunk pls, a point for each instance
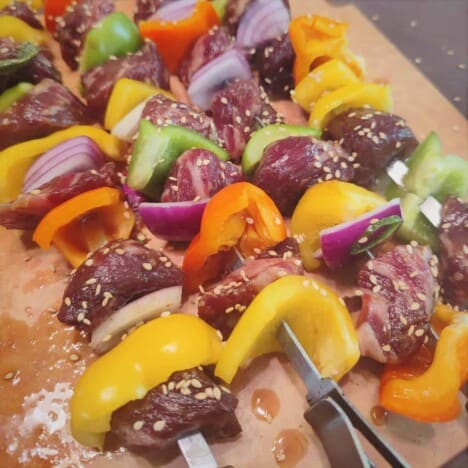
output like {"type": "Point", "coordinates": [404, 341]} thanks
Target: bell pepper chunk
{"type": "Point", "coordinates": [327, 77]}
{"type": "Point", "coordinates": [317, 316]}
{"type": "Point", "coordinates": [175, 38]}
{"type": "Point", "coordinates": [371, 95]}
{"type": "Point", "coordinates": [429, 393]}
{"type": "Point", "coordinates": [132, 368]}
{"type": "Point", "coordinates": [126, 95]}
{"type": "Point", "coordinates": [13, 94]}
{"type": "Point", "coordinates": [241, 215]}
{"type": "Point", "coordinates": [27, 52]}
{"type": "Point", "coordinates": [316, 39]}
{"type": "Point", "coordinates": [34, 4]}
{"type": "Point", "coordinates": [16, 160]}
{"type": "Point", "coordinates": [325, 205]}
{"type": "Point", "coordinates": [10, 26]}
{"type": "Point", "coordinates": [84, 223]}
{"type": "Point", "coordinates": [116, 35]}
{"type": "Point", "coordinates": [53, 9]}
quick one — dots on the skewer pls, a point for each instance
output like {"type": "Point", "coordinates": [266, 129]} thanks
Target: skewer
{"type": "Point", "coordinates": [196, 451]}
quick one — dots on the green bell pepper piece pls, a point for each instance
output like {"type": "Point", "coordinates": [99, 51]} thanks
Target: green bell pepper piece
{"type": "Point", "coordinates": [13, 94]}
{"type": "Point", "coordinates": [253, 151]}
{"type": "Point", "coordinates": [115, 36]}
{"type": "Point", "coordinates": [220, 7]}
{"type": "Point", "coordinates": [156, 149]}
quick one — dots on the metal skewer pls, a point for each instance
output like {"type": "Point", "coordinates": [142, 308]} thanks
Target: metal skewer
{"type": "Point", "coordinates": [196, 451]}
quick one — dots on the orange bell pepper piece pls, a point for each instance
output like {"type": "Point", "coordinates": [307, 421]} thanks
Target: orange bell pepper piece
{"type": "Point", "coordinates": [84, 223]}
{"type": "Point", "coordinates": [316, 39]}
{"type": "Point", "coordinates": [241, 215]}
{"type": "Point", "coordinates": [174, 39]}
{"type": "Point", "coordinates": [426, 391]}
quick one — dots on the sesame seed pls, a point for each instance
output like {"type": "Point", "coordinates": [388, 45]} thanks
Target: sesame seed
{"type": "Point", "coordinates": [159, 425]}
{"type": "Point", "coordinates": [91, 281]}
{"type": "Point", "coordinates": [147, 266]}
{"type": "Point", "coordinates": [137, 425]}
{"type": "Point", "coordinates": [386, 348]}
{"type": "Point", "coordinates": [200, 396]}
{"type": "Point", "coordinates": [84, 304]}
{"type": "Point", "coordinates": [106, 251]}
{"type": "Point", "coordinates": [410, 330]}
{"type": "Point", "coordinates": [98, 289]}
{"type": "Point", "coordinates": [168, 264]}
{"type": "Point", "coordinates": [421, 296]}
{"type": "Point", "coordinates": [80, 317]}
{"type": "Point", "coordinates": [74, 357]}
{"type": "Point", "coordinates": [377, 288]}
{"type": "Point", "coordinates": [415, 306]}
{"type": "Point", "coordinates": [249, 220]}
{"type": "Point", "coordinates": [196, 383]}
{"type": "Point", "coordinates": [171, 386]}
{"type": "Point", "coordinates": [107, 338]}
{"type": "Point", "coordinates": [67, 301]}
{"type": "Point", "coordinates": [419, 332]}
{"type": "Point", "coordinates": [9, 375]}
{"type": "Point", "coordinates": [89, 262]}
{"type": "Point", "coordinates": [185, 391]}
{"type": "Point", "coordinates": [403, 320]}
{"type": "Point", "coordinates": [373, 279]}
{"type": "Point", "coordinates": [217, 393]}
{"type": "Point", "coordinates": [87, 321]}
{"type": "Point", "coordinates": [119, 251]}
{"type": "Point", "coordinates": [209, 392]}
{"type": "Point", "coordinates": [363, 240]}
{"type": "Point", "coordinates": [358, 292]}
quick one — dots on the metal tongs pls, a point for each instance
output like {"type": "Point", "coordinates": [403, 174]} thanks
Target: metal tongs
{"type": "Point", "coordinates": [331, 414]}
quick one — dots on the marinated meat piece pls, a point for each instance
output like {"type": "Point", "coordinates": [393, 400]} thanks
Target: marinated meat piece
{"type": "Point", "coordinates": [198, 174]}
{"type": "Point", "coordinates": [114, 275]}
{"type": "Point", "coordinates": [21, 11]}
{"type": "Point", "coordinates": [222, 305]}
{"type": "Point", "coordinates": [145, 65]}
{"type": "Point", "coordinates": [146, 8]}
{"type": "Point", "coordinates": [238, 110]}
{"type": "Point", "coordinates": [189, 401]}
{"type": "Point", "coordinates": [398, 297]}
{"type": "Point", "coordinates": [206, 48]}
{"type": "Point", "coordinates": [290, 166]}
{"type": "Point", "coordinates": [234, 10]}
{"type": "Point", "coordinates": [274, 61]}
{"type": "Point", "coordinates": [48, 107]}
{"type": "Point", "coordinates": [35, 70]}
{"type": "Point", "coordinates": [162, 111]}
{"type": "Point", "coordinates": [29, 208]}
{"type": "Point", "coordinates": [374, 138]}
{"type": "Point", "coordinates": [75, 24]}
{"type": "Point", "coordinates": [453, 234]}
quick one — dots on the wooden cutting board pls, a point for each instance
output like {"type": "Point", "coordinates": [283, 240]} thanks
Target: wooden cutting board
{"type": "Point", "coordinates": [47, 358]}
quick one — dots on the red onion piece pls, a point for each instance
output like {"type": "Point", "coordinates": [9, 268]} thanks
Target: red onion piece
{"type": "Point", "coordinates": [211, 78]}
{"type": "Point", "coordinates": [133, 197]}
{"type": "Point", "coordinates": [336, 242]}
{"type": "Point", "coordinates": [175, 221]}
{"type": "Point", "coordinates": [174, 11]}
{"type": "Point", "coordinates": [77, 154]}
{"type": "Point", "coordinates": [262, 21]}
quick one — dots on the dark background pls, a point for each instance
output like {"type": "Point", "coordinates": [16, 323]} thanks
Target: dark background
{"type": "Point", "coordinates": [433, 34]}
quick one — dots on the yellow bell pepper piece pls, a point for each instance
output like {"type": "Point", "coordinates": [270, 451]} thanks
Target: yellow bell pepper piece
{"type": "Point", "coordinates": [140, 362]}
{"type": "Point", "coordinates": [372, 95]}
{"type": "Point", "coordinates": [10, 26]}
{"type": "Point", "coordinates": [34, 4]}
{"type": "Point", "coordinates": [315, 313]}
{"type": "Point", "coordinates": [16, 160]}
{"type": "Point", "coordinates": [316, 39]}
{"type": "Point", "coordinates": [329, 76]}
{"type": "Point", "coordinates": [325, 205]}
{"type": "Point", "coordinates": [125, 96]}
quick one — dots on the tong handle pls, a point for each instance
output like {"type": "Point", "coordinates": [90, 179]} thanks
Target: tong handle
{"type": "Point", "coordinates": [367, 430]}
{"type": "Point", "coordinates": [337, 435]}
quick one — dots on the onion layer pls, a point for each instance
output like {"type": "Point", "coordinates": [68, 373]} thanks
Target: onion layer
{"type": "Point", "coordinates": [262, 21]}
{"type": "Point", "coordinates": [175, 221]}
{"type": "Point", "coordinates": [215, 74]}
{"type": "Point", "coordinates": [337, 242]}
{"type": "Point", "coordinates": [175, 11]}
{"type": "Point", "coordinates": [147, 307]}
{"type": "Point", "coordinates": [77, 154]}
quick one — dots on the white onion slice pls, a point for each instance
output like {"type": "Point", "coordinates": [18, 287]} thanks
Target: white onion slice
{"type": "Point", "coordinates": [145, 308]}
{"type": "Point", "coordinates": [215, 74]}
{"type": "Point", "coordinates": [127, 127]}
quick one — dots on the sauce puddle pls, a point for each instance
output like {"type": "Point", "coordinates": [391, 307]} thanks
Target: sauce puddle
{"type": "Point", "coordinates": [289, 447]}
{"type": "Point", "coordinates": [379, 415]}
{"type": "Point", "coordinates": [265, 404]}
